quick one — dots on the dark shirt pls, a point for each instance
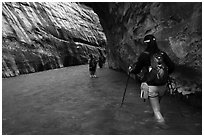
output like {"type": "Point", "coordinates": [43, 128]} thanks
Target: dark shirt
{"type": "Point", "coordinates": [92, 64]}
{"type": "Point", "coordinates": [144, 62]}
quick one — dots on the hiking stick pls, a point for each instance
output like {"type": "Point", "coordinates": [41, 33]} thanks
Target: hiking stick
{"type": "Point", "coordinates": [125, 90]}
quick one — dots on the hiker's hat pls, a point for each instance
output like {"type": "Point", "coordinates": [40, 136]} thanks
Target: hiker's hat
{"type": "Point", "coordinates": [149, 38]}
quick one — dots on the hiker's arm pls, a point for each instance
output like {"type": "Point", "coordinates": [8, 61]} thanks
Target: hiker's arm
{"type": "Point", "coordinates": [139, 64]}
{"type": "Point", "coordinates": [170, 64]}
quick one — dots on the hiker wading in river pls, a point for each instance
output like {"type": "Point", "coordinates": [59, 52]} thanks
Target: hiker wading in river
{"type": "Point", "coordinates": [156, 66]}
{"type": "Point", "coordinates": [92, 66]}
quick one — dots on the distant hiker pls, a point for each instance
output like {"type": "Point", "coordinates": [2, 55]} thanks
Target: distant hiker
{"type": "Point", "coordinates": [101, 61]}
{"type": "Point", "coordinates": [92, 66]}
{"type": "Point", "coordinates": [156, 66]}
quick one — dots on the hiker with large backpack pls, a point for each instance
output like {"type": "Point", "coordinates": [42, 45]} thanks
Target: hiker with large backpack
{"type": "Point", "coordinates": [156, 66]}
{"type": "Point", "coordinates": [92, 66]}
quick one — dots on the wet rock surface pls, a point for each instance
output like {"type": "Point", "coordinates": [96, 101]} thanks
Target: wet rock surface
{"type": "Point", "coordinates": [188, 86]}
{"type": "Point", "coordinates": [42, 36]}
{"type": "Point", "coordinates": [67, 101]}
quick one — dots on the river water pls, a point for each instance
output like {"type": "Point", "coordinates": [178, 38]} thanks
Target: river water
{"type": "Point", "coordinates": [68, 102]}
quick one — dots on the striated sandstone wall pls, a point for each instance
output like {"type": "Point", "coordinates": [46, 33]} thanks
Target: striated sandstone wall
{"type": "Point", "coordinates": [41, 36]}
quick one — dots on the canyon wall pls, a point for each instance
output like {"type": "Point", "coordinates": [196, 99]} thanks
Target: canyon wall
{"type": "Point", "coordinates": [42, 36]}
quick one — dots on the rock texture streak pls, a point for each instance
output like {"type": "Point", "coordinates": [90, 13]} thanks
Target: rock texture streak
{"type": "Point", "coordinates": [42, 36]}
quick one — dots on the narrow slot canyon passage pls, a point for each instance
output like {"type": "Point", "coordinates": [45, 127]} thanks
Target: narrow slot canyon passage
{"type": "Point", "coordinates": [46, 83]}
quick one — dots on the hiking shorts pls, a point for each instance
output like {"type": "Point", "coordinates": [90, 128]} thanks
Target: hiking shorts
{"type": "Point", "coordinates": [155, 91]}
{"type": "Point", "coordinates": [92, 72]}
{"type": "Point", "coordinates": [93, 69]}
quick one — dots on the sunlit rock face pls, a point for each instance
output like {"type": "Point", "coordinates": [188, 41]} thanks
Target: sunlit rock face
{"type": "Point", "coordinates": [42, 36]}
{"type": "Point", "coordinates": [176, 26]}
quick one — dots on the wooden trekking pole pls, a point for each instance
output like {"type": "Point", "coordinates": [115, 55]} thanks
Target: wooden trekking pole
{"type": "Point", "coordinates": [125, 90]}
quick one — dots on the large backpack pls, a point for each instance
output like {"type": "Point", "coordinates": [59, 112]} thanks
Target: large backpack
{"type": "Point", "coordinates": [93, 63]}
{"type": "Point", "coordinates": [158, 71]}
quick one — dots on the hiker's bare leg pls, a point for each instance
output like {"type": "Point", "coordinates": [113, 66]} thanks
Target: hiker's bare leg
{"type": "Point", "coordinates": [94, 73]}
{"type": "Point", "coordinates": [154, 101]}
